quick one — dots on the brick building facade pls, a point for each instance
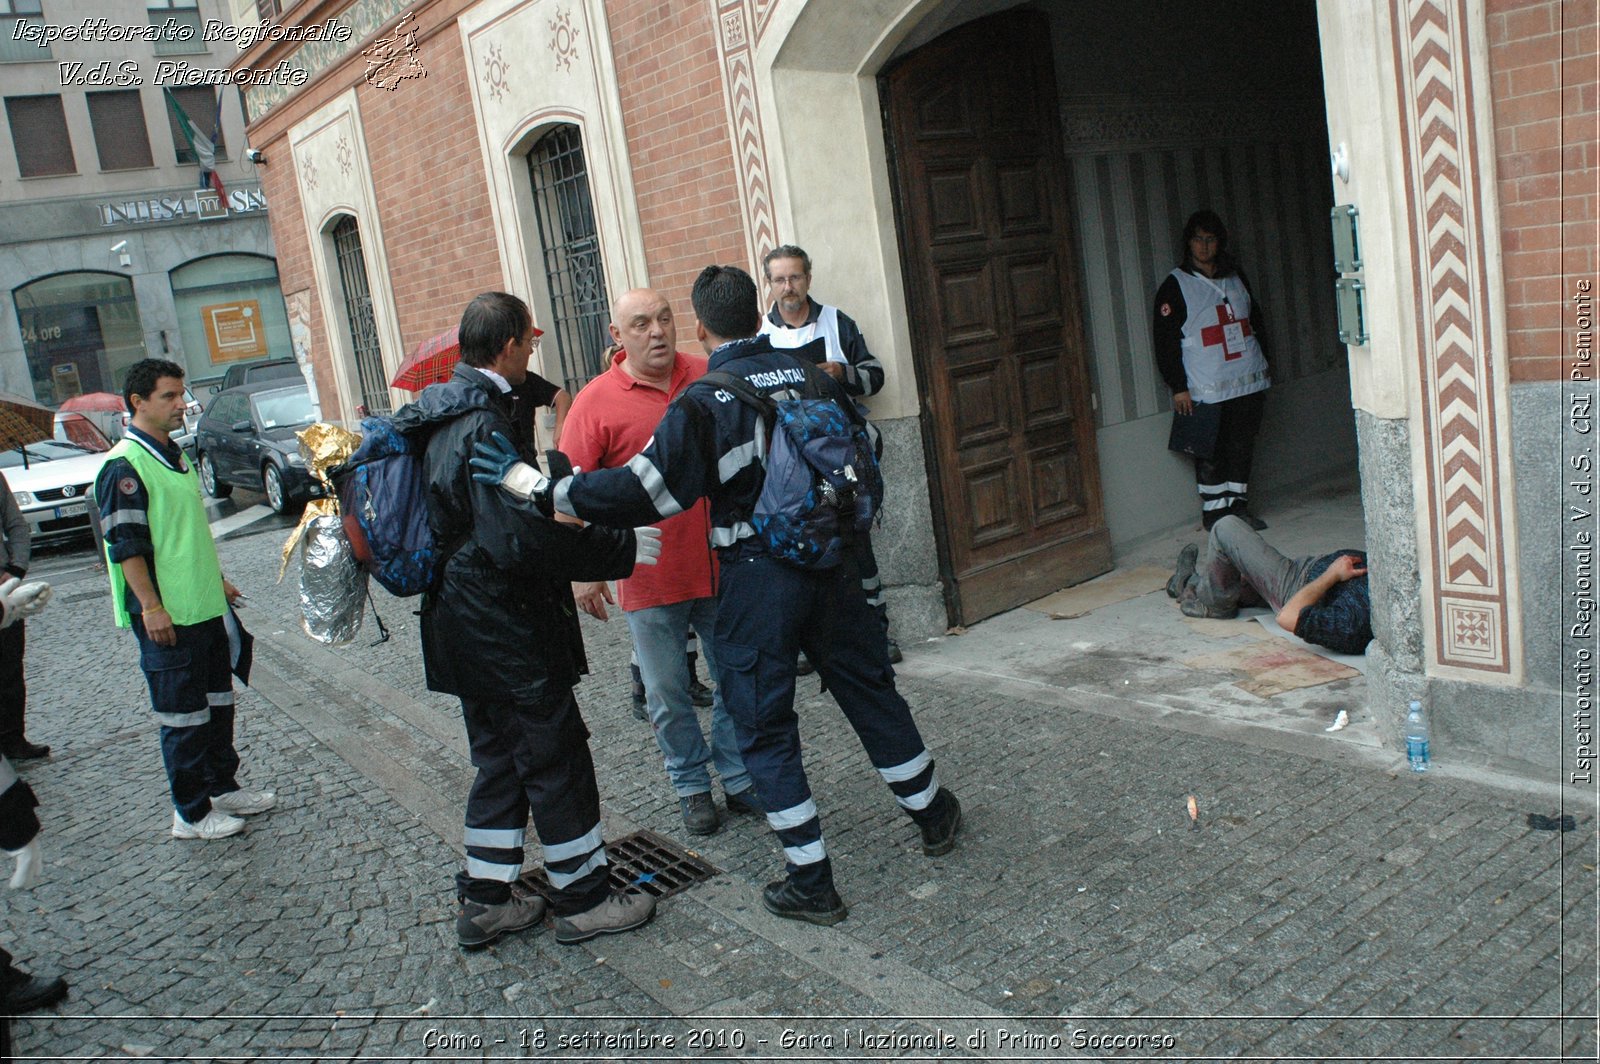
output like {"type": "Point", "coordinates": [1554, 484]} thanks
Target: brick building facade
{"type": "Point", "coordinates": [1000, 267]}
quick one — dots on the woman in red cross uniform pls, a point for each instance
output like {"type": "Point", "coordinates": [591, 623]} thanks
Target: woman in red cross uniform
{"type": "Point", "coordinates": [1209, 350]}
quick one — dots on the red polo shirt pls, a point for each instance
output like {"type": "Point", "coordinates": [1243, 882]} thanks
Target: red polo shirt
{"type": "Point", "coordinates": [611, 420]}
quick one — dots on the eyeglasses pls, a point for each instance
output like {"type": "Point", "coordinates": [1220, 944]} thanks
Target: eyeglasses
{"type": "Point", "coordinates": [791, 280]}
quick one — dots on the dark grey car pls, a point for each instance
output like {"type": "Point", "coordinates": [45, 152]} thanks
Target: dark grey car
{"type": "Point", "coordinates": [246, 438]}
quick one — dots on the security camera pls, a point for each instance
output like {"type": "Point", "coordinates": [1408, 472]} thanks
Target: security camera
{"type": "Point", "coordinates": [255, 155]}
{"type": "Point", "coordinates": [121, 245]}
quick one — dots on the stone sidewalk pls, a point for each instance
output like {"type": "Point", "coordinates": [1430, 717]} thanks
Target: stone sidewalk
{"type": "Point", "coordinates": [1326, 908]}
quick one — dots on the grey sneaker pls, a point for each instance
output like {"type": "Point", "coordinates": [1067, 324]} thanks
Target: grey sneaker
{"type": "Point", "coordinates": [478, 924]}
{"type": "Point", "coordinates": [214, 825]}
{"type": "Point", "coordinates": [618, 913]}
{"type": "Point", "coordinates": [1185, 569]}
{"type": "Point", "coordinates": [700, 814]}
{"type": "Point", "coordinates": [244, 802]}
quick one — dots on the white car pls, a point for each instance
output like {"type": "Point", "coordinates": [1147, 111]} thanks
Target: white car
{"type": "Point", "coordinates": [51, 482]}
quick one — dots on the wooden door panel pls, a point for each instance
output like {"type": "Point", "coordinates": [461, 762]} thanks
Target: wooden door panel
{"type": "Point", "coordinates": [997, 332]}
{"type": "Point", "coordinates": [967, 304]}
{"type": "Point", "coordinates": [1033, 287]}
{"type": "Point", "coordinates": [1019, 199]}
{"type": "Point", "coordinates": [980, 401]}
{"type": "Point", "coordinates": [1055, 477]}
{"type": "Point", "coordinates": [991, 495]}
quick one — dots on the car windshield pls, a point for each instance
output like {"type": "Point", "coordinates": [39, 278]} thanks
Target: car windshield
{"type": "Point", "coordinates": [46, 451]}
{"type": "Point", "coordinates": [288, 406]}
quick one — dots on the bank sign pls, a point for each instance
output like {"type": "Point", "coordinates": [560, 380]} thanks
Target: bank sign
{"type": "Point", "coordinates": [200, 205]}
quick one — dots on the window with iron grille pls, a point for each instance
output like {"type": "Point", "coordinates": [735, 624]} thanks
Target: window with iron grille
{"type": "Point", "coordinates": [12, 50]}
{"type": "Point", "coordinates": [39, 135]}
{"type": "Point", "coordinates": [120, 135]}
{"type": "Point", "coordinates": [179, 21]}
{"type": "Point", "coordinates": [199, 102]}
{"type": "Point", "coordinates": [371, 378]}
{"type": "Point", "coordinates": [574, 272]}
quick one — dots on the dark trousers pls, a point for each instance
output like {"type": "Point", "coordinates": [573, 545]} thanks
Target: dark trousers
{"type": "Point", "coordinates": [1224, 478]}
{"type": "Point", "coordinates": [13, 689]}
{"type": "Point", "coordinates": [10, 976]}
{"type": "Point", "coordinates": [191, 692]}
{"type": "Point", "coordinates": [532, 758]}
{"type": "Point", "coordinates": [766, 612]}
{"type": "Point", "coordinates": [871, 582]}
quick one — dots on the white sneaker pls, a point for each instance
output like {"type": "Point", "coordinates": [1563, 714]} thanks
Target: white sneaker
{"type": "Point", "coordinates": [244, 802]}
{"type": "Point", "coordinates": [214, 825]}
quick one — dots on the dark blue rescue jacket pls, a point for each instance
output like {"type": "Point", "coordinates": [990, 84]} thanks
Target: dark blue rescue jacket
{"type": "Point", "coordinates": [707, 444]}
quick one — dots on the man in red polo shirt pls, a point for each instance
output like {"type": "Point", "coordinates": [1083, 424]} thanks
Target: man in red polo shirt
{"type": "Point", "coordinates": [611, 421]}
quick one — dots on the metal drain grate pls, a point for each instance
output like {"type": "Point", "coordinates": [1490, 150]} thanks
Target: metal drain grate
{"type": "Point", "coordinates": [643, 861]}
{"type": "Point", "coordinates": [83, 596]}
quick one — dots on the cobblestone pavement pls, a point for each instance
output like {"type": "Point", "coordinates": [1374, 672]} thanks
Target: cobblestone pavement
{"type": "Point", "coordinates": [1323, 909]}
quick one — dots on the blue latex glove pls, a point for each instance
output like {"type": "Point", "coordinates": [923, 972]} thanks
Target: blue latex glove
{"type": "Point", "coordinates": [498, 463]}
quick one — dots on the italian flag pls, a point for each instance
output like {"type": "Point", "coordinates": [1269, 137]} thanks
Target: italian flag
{"type": "Point", "coordinates": [204, 148]}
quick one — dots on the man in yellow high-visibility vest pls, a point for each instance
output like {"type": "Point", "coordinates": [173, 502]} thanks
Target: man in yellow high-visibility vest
{"type": "Point", "coordinates": [167, 585]}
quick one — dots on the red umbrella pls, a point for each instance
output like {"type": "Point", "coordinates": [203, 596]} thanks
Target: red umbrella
{"type": "Point", "coordinates": [433, 361]}
{"type": "Point", "coordinates": [96, 401]}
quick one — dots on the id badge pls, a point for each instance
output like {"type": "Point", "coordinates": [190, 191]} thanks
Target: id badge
{"type": "Point", "coordinates": [1233, 337]}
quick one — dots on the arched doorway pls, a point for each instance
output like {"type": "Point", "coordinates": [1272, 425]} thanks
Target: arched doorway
{"type": "Point", "coordinates": [1150, 127]}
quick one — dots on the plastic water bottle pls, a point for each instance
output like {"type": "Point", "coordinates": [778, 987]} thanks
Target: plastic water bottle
{"type": "Point", "coordinates": [1416, 737]}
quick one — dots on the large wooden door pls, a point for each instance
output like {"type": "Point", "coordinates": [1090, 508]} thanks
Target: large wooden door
{"type": "Point", "coordinates": [995, 324]}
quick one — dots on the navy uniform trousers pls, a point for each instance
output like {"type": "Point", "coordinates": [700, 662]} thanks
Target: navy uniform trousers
{"type": "Point", "coordinates": [533, 757]}
{"type": "Point", "coordinates": [191, 691]}
{"type": "Point", "coordinates": [766, 612]}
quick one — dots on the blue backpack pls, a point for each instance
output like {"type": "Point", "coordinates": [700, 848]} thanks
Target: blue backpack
{"type": "Point", "coordinates": [823, 486]}
{"type": "Point", "coordinates": [385, 511]}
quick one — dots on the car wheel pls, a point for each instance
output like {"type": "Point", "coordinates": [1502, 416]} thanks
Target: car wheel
{"type": "Point", "coordinates": [208, 480]}
{"type": "Point", "coordinates": [272, 487]}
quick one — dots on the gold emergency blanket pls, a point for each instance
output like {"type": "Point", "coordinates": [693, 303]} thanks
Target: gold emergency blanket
{"type": "Point", "coordinates": [333, 588]}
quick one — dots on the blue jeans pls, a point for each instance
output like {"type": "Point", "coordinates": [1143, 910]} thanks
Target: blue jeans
{"type": "Point", "coordinates": [658, 640]}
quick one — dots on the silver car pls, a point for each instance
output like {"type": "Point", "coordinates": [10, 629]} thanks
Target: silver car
{"type": "Point", "coordinates": [51, 482]}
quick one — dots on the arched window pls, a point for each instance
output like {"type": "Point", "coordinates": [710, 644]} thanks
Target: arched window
{"type": "Point", "coordinates": [371, 378]}
{"type": "Point", "coordinates": [230, 309]}
{"type": "Point", "coordinates": [80, 332]}
{"type": "Point", "coordinates": [574, 272]}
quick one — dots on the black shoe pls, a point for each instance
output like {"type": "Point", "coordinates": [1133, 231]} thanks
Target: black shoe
{"type": "Point", "coordinates": [939, 830]}
{"type": "Point", "coordinates": [744, 803]}
{"type": "Point", "coordinates": [803, 667]}
{"type": "Point", "coordinates": [23, 750]}
{"type": "Point", "coordinates": [895, 657]}
{"type": "Point", "coordinates": [700, 814]}
{"type": "Point", "coordinates": [784, 899]}
{"type": "Point", "coordinates": [699, 694]}
{"type": "Point", "coordinates": [1253, 521]}
{"type": "Point", "coordinates": [32, 993]}
{"type": "Point", "coordinates": [1180, 576]}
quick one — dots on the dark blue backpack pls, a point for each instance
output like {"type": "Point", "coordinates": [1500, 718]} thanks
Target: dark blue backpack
{"type": "Point", "coordinates": [823, 485]}
{"type": "Point", "coordinates": [385, 511]}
